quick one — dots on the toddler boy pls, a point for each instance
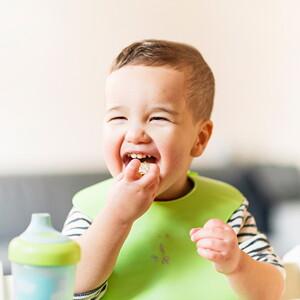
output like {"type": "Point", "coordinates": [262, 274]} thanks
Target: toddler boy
{"type": "Point", "coordinates": [136, 230]}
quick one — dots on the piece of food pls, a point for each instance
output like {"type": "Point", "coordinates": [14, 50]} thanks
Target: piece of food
{"type": "Point", "coordinates": [144, 168]}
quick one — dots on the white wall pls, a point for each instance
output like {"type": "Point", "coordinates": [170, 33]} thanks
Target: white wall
{"type": "Point", "coordinates": [54, 56]}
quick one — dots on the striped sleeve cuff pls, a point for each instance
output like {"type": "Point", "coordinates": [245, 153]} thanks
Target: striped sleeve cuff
{"type": "Point", "coordinates": [93, 294]}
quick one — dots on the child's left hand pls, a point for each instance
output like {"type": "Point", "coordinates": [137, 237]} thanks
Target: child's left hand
{"type": "Point", "coordinates": [217, 242]}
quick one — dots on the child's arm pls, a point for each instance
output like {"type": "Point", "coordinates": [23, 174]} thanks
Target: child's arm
{"type": "Point", "coordinates": [250, 279]}
{"type": "Point", "coordinates": [130, 196]}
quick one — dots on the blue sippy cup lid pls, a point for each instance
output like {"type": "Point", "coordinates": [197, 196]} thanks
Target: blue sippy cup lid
{"type": "Point", "coordinates": [41, 245]}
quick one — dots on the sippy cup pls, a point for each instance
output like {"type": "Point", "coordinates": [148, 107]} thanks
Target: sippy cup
{"type": "Point", "coordinates": [43, 262]}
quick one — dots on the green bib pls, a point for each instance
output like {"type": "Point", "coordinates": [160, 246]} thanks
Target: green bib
{"type": "Point", "coordinates": [158, 259]}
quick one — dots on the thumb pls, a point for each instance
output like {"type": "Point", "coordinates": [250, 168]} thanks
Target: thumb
{"type": "Point", "coordinates": [131, 171]}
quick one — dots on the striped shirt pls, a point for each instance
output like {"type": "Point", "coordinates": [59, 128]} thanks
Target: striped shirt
{"type": "Point", "coordinates": [250, 240]}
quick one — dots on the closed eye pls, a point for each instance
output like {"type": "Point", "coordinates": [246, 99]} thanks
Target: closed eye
{"type": "Point", "coordinates": [117, 118]}
{"type": "Point", "coordinates": [158, 119]}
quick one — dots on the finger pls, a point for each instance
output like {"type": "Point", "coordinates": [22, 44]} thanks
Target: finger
{"type": "Point", "coordinates": [212, 244]}
{"type": "Point", "coordinates": [152, 176]}
{"type": "Point", "coordinates": [215, 223]}
{"type": "Point", "coordinates": [194, 230]}
{"type": "Point", "coordinates": [131, 170]}
{"type": "Point", "coordinates": [211, 232]}
{"type": "Point", "coordinates": [209, 254]}
{"type": "Point", "coordinates": [152, 186]}
{"type": "Point", "coordinates": [151, 179]}
{"type": "Point", "coordinates": [119, 177]}
{"type": "Point", "coordinates": [194, 235]}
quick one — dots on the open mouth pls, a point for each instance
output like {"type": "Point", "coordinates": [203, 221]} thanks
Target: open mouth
{"type": "Point", "coordinates": [142, 157]}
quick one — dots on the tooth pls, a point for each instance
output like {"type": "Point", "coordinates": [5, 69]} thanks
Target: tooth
{"type": "Point", "coordinates": [139, 156]}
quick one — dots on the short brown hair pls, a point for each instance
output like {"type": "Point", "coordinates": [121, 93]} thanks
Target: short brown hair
{"type": "Point", "coordinates": [200, 84]}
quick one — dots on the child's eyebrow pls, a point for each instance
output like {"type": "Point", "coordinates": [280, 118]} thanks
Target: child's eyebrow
{"type": "Point", "coordinates": [115, 109]}
{"type": "Point", "coordinates": [164, 109]}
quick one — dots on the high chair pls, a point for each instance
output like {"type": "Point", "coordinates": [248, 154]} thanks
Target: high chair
{"type": "Point", "coordinates": [291, 262]}
{"type": "Point", "coordinates": [5, 285]}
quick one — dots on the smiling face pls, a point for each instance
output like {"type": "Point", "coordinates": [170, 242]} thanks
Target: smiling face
{"type": "Point", "coordinates": [147, 118]}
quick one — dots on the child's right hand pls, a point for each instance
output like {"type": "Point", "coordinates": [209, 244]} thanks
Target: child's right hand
{"type": "Point", "coordinates": [131, 195]}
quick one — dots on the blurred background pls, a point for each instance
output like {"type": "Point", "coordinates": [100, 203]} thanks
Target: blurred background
{"type": "Point", "coordinates": [54, 57]}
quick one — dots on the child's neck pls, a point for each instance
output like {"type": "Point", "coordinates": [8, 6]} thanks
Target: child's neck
{"type": "Point", "coordinates": [186, 189]}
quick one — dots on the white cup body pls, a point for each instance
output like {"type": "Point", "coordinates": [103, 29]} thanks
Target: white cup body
{"type": "Point", "coordinates": [43, 283]}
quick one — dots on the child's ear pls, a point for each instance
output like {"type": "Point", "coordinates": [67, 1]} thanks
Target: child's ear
{"type": "Point", "coordinates": [204, 133]}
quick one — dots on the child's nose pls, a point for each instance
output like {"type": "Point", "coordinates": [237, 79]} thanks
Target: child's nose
{"type": "Point", "coordinates": [137, 135]}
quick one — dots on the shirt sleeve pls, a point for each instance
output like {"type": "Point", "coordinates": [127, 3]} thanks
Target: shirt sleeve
{"type": "Point", "coordinates": [75, 225]}
{"type": "Point", "coordinates": [92, 295]}
{"type": "Point", "coordinates": [251, 241]}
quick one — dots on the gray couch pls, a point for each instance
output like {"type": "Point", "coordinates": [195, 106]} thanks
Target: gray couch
{"type": "Point", "coordinates": [21, 195]}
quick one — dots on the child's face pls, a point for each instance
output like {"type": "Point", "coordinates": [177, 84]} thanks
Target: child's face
{"type": "Point", "coordinates": [146, 114]}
